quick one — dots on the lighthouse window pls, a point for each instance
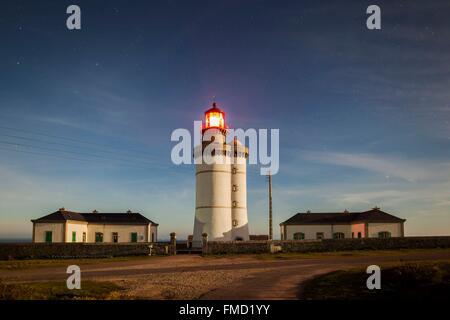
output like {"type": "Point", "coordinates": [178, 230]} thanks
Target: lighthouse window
{"type": "Point", "coordinates": [234, 203]}
{"type": "Point", "coordinates": [235, 188]}
{"type": "Point", "coordinates": [234, 170]}
{"type": "Point", "coordinates": [235, 223]}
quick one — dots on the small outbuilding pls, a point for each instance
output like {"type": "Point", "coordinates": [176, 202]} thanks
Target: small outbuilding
{"type": "Point", "coordinates": [69, 226]}
{"type": "Point", "coordinates": [373, 223]}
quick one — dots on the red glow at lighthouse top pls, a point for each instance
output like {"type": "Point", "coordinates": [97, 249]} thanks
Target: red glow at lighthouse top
{"type": "Point", "coordinates": [214, 118]}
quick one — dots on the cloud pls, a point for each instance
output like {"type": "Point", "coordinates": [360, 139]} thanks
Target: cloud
{"type": "Point", "coordinates": [412, 171]}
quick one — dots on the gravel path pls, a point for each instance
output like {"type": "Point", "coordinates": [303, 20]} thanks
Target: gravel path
{"type": "Point", "coordinates": [229, 277]}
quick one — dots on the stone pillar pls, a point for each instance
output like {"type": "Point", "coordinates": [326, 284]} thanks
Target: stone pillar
{"type": "Point", "coordinates": [150, 249]}
{"type": "Point", "coordinates": [189, 241]}
{"type": "Point", "coordinates": [204, 243]}
{"type": "Point", "coordinates": [173, 243]}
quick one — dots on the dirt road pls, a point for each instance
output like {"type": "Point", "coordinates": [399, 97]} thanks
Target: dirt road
{"type": "Point", "coordinates": [229, 277]}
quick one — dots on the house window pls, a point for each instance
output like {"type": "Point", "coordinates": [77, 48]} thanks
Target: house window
{"type": "Point", "coordinates": [353, 235]}
{"type": "Point", "coordinates": [115, 237]}
{"type": "Point", "coordinates": [74, 236]}
{"type": "Point", "coordinates": [98, 237]}
{"type": "Point", "coordinates": [235, 223]}
{"type": "Point", "coordinates": [299, 236]}
{"type": "Point", "coordinates": [153, 237]}
{"type": "Point", "coordinates": [338, 235]}
{"type": "Point", "coordinates": [384, 234]}
{"type": "Point", "coordinates": [48, 236]}
{"type": "Point", "coordinates": [359, 235]}
{"type": "Point", "coordinates": [319, 235]}
{"type": "Point", "coordinates": [235, 188]}
{"type": "Point", "coordinates": [133, 237]}
{"type": "Point", "coordinates": [84, 236]}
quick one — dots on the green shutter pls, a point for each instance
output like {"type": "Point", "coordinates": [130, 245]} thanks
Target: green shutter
{"type": "Point", "coordinates": [74, 236]}
{"type": "Point", "coordinates": [98, 237]}
{"type": "Point", "coordinates": [48, 236]}
{"type": "Point", "coordinates": [133, 237]}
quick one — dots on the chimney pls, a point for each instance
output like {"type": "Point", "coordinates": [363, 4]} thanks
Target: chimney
{"type": "Point", "coordinates": [376, 208]}
{"type": "Point", "coordinates": [94, 211]}
{"type": "Point", "coordinates": [346, 211]}
{"type": "Point", "coordinates": [62, 209]}
{"type": "Point", "coordinates": [129, 211]}
{"type": "Point", "coordinates": [309, 211]}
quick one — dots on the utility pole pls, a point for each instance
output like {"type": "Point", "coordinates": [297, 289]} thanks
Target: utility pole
{"type": "Point", "coordinates": [270, 208]}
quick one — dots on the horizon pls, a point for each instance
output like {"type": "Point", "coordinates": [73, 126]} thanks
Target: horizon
{"type": "Point", "coordinates": [86, 116]}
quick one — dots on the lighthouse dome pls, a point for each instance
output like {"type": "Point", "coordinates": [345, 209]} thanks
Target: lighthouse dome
{"type": "Point", "coordinates": [214, 118]}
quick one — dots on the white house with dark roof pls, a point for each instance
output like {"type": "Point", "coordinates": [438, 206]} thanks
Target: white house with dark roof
{"type": "Point", "coordinates": [69, 226]}
{"type": "Point", "coordinates": [373, 223]}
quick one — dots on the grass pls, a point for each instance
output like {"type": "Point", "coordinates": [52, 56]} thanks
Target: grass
{"type": "Point", "coordinates": [428, 280]}
{"type": "Point", "coordinates": [329, 254]}
{"type": "Point", "coordinates": [58, 291]}
{"type": "Point", "coordinates": [41, 263]}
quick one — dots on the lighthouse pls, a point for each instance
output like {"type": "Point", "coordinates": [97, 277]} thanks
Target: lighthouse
{"type": "Point", "coordinates": [221, 183]}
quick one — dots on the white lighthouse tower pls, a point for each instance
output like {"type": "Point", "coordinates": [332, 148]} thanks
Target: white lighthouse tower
{"type": "Point", "coordinates": [221, 186]}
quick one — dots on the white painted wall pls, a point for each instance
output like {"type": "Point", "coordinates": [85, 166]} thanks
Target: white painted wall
{"type": "Point", "coordinates": [346, 229]}
{"type": "Point", "coordinates": [393, 228]}
{"type": "Point", "coordinates": [79, 228]}
{"type": "Point", "coordinates": [154, 230]}
{"type": "Point", "coordinates": [239, 213]}
{"type": "Point", "coordinates": [214, 205]}
{"type": "Point", "coordinates": [124, 232]}
{"type": "Point", "coordinates": [213, 197]}
{"type": "Point", "coordinates": [309, 231]}
{"type": "Point", "coordinates": [328, 230]}
{"type": "Point", "coordinates": [57, 230]}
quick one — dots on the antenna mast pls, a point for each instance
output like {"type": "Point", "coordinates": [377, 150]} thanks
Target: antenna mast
{"type": "Point", "coordinates": [270, 207]}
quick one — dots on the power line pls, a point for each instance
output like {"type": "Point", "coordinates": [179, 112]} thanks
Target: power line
{"type": "Point", "coordinates": [59, 150]}
{"type": "Point", "coordinates": [68, 145]}
{"type": "Point", "coordinates": [70, 139]}
{"type": "Point", "coordinates": [64, 157]}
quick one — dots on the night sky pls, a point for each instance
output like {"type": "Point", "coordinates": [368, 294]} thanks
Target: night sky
{"type": "Point", "coordinates": [86, 116]}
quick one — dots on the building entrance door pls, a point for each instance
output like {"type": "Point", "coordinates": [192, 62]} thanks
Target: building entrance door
{"type": "Point", "coordinates": [115, 237]}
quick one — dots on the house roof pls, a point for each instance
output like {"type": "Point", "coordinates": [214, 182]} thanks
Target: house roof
{"type": "Point", "coordinates": [96, 217]}
{"type": "Point", "coordinates": [374, 215]}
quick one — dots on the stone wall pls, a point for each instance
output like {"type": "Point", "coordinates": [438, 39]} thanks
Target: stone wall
{"type": "Point", "coordinates": [10, 251]}
{"type": "Point", "coordinates": [99, 250]}
{"type": "Point", "coordinates": [325, 245]}
{"type": "Point", "coordinates": [233, 247]}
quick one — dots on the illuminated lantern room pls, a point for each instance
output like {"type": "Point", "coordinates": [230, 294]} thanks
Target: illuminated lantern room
{"type": "Point", "coordinates": [214, 118]}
